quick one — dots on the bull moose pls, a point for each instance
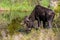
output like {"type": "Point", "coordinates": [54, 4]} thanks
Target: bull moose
{"type": "Point", "coordinates": [40, 13]}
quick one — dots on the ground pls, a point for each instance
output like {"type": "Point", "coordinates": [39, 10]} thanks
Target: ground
{"type": "Point", "coordinates": [41, 34]}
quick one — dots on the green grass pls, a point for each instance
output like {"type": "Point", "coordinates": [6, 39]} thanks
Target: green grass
{"type": "Point", "coordinates": [23, 6]}
{"type": "Point", "coordinates": [45, 3]}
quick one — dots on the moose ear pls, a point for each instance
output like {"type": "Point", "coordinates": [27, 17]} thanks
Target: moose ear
{"type": "Point", "coordinates": [27, 19]}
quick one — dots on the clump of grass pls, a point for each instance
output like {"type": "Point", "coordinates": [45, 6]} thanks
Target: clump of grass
{"type": "Point", "coordinates": [14, 25]}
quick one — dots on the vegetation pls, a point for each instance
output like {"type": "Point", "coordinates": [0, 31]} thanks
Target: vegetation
{"type": "Point", "coordinates": [12, 13]}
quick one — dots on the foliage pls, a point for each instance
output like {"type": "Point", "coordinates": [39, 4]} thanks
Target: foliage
{"type": "Point", "coordinates": [57, 9]}
{"type": "Point", "coordinates": [57, 15]}
{"type": "Point", "coordinates": [19, 10]}
{"type": "Point", "coordinates": [14, 25]}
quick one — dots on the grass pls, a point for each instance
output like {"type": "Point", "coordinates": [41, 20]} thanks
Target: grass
{"type": "Point", "coordinates": [21, 10]}
{"type": "Point", "coordinates": [22, 6]}
{"type": "Point", "coordinates": [41, 34]}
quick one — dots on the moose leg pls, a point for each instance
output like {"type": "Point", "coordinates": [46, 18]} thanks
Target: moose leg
{"type": "Point", "coordinates": [50, 20]}
{"type": "Point", "coordinates": [39, 22]}
{"type": "Point", "coordinates": [38, 25]}
{"type": "Point", "coordinates": [49, 24]}
{"type": "Point", "coordinates": [44, 24]}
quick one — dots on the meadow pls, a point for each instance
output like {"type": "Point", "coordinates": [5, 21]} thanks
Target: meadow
{"type": "Point", "coordinates": [12, 13]}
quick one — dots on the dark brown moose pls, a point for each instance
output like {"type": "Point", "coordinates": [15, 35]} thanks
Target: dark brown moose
{"type": "Point", "coordinates": [40, 13]}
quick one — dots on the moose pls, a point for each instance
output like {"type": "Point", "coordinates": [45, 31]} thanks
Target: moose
{"type": "Point", "coordinates": [40, 13]}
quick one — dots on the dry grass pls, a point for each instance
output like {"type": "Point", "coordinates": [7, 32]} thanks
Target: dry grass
{"type": "Point", "coordinates": [41, 34]}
